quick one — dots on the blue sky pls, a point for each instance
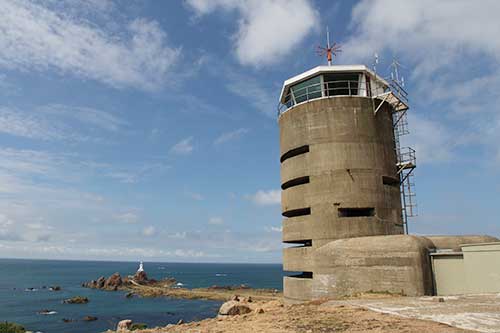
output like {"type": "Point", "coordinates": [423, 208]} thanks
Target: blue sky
{"type": "Point", "coordinates": [147, 129]}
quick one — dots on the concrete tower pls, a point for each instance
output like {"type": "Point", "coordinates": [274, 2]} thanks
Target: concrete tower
{"type": "Point", "coordinates": [339, 167]}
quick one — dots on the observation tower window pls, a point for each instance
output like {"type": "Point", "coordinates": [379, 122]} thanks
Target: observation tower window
{"type": "Point", "coordinates": [341, 84]}
{"type": "Point", "coordinates": [307, 90]}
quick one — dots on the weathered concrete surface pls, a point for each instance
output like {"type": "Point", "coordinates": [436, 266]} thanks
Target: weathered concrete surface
{"type": "Point", "coordinates": [453, 242]}
{"type": "Point", "coordinates": [397, 264]}
{"type": "Point", "coordinates": [350, 150]}
{"type": "Point", "coordinates": [474, 312]}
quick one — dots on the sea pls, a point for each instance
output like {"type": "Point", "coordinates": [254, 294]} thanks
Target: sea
{"type": "Point", "coordinates": [24, 292]}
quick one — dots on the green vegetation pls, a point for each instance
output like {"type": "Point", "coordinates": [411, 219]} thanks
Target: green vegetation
{"type": "Point", "coordinates": [138, 326]}
{"type": "Point", "coordinates": [7, 327]}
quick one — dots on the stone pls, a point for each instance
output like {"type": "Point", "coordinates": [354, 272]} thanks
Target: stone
{"type": "Point", "coordinates": [100, 282]}
{"type": "Point", "coordinates": [180, 322]}
{"type": "Point", "coordinates": [141, 277]}
{"type": "Point", "coordinates": [234, 298]}
{"type": "Point", "coordinates": [124, 325]}
{"type": "Point", "coordinates": [89, 318]}
{"type": "Point", "coordinates": [259, 310]}
{"type": "Point", "coordinates": [113, 282]}
{"type": "Point", "coordinates": [76, 300]}
{"type": "Point", "coordinates": [231, 308]}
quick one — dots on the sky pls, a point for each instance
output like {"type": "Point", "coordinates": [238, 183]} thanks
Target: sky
{"type": "Point", "coordinates": [147, 130]}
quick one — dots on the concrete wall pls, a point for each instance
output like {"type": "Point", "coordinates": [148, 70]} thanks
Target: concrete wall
{"type": "Point", "coordinates": [350, 149]}
{"type": "Point", "coordinates": [454, 243]}
{"type": "Point", "coordinates": [395, 264]}
{"type": "Point", "coordinates": [449, 273]}
{"type": "Point", "coordinates": [474, 270]}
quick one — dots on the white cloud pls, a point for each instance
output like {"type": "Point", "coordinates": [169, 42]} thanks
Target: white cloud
{"type": "Point", "coordinates": [265, 198]}
{"type": "Point", "coordinates": [58, 122]}
{"type": "Point", "coordinates": [127, 217]}
{"type": "Point", "coordinates": [431, 140]}
{"type": "Point", "coordinates": [216, 220]}
{"type": "Point", "coordinates": [149, 231]}
{"type": "Point", "coordinates": [425, 29]}
{"type": "Point", "coordinates": [183, 147]}
{"type": "Point", "coordinates": [5, 221]}
{"type": "Point", "coordinates": [232, 135]}
{"type": "Point", "coordinates": [178, 235]}
{"type": "Point", "coordinates": [259, 97]}
{"type": "Point", "coordinates": [17, 123]}
{"type": "Point", "coordinates": [123, 177]}
{"type": "Point", "coordinates": [274, 229]}
{"type": "Point", "coordinates": [453, 53]}
{"type": "Point", "coordinates": [38, 226]}
{"type": "Point", "coordinates": [34, 37]}
{"type": "Point", "coordinates": [88, 116]}
{"type": "Point", "coordinates": [194, 195]}
{"type": "Point", "coordinates": [268, 30]}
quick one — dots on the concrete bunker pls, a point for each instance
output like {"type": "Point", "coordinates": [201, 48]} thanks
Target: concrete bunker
{"type": "Point", "coordinates": [343, 176]}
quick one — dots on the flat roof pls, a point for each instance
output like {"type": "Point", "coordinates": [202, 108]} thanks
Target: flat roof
{"type": "Point", "coordinates": [328, 69]}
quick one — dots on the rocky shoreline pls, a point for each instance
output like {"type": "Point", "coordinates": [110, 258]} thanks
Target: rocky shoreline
{"type": "Point", "coordinates": [141, 285]}
{"type": "Point", "coordinates": [116, 282]}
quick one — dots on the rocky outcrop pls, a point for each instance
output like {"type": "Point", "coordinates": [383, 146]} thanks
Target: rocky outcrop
{"type": "Point", "coordinates": [111, 283]}
{"type": "Point", "coordinates": [232, 308]}
{"type": "Point", "coordinates": [89, 318]}
{"type": "Point", "coordinates": [141, 277]}
{"type": "Point", "coordinates": [124, 325]}
{"type": "Point", "coordinates": [115, 281]}
{"type": "Point", "coordinates": [76, 300]}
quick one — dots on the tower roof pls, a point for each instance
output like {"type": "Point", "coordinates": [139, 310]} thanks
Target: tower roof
{"type": "Point", "coordinates": [329, 69]}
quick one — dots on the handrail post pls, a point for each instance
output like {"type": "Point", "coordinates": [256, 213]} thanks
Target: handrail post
{"type": "Point", "coordinates": [349, 86]}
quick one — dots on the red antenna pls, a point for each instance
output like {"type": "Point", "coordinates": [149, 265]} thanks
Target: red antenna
{"type": "Point", "coordinates": [334, 49]}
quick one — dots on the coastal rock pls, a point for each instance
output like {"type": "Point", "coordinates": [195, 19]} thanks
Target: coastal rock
{"type": "Point", "coordinates": [46, 312]}
{"type": "Point", "coordinates": [89, 318]}
{"type": "Point", "coordinates": [113, 282]}
{"type": "Point", "coordinates": [124, 325]}
{"type": "Point", "coordinates": [76, 300]}
{"type": "Point", "coordinates": [100, 282]}
{"type": "Point", "coordinates": [55, 288]}
{"type": "Point", "coordinates": [141, 277]}
{"type": "Point", "coordinates": [232, 308]}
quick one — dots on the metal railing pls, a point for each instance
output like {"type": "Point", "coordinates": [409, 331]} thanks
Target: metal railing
{"type": "Point", "coordinates": [325, 90]}
{"type": "Point", "coordinates": [406, 157]}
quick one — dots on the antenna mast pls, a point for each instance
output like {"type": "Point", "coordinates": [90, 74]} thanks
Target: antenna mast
{"type": "Point", "coordinates": [330, 50]}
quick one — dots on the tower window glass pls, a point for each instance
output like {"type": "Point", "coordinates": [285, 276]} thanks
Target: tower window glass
{"type": "Point", "coordinates": [307, 90]}
{"type": "Point", "coordinates": [341, 84]}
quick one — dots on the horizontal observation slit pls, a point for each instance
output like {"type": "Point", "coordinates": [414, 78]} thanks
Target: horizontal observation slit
{"type": "Point", "coordinates": [356, 212]}
{"type": "Point", "coordinates": [297, 212]}
{"type": "Point", "coordinates": [295, 182]}
{"type": "Point", "coordinates": [391, 181]}
{"type": "Point", "coordinates": [300, 243]}
{"type": "Point", "coordinates": [294, 152]}
{"type": "Point", "coordinates": [303, 275]}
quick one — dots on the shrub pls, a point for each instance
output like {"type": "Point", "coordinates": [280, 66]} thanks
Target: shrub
{"type": "Point", "coordinates": [7, 327]}
{"type": "Point", "coordinates": [138, 326]}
